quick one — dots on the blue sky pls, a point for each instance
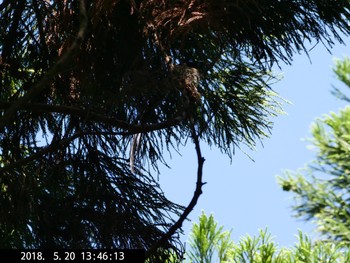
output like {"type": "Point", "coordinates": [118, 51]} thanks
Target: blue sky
{"type": "Point", "coordinates": [244, 195]}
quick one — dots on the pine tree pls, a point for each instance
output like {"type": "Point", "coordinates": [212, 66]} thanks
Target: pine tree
{"type": "Point", "coordinates": [81, 78]}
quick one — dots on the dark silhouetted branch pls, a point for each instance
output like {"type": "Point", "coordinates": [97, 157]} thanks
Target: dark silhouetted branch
{"type": "Point", "coordinates": [52, 147]}
{"type": "Point", "coordinates": [198, 191]}
{"type": "Point", "coordinates": [94, 117]}
{"type": "Point", "coordinates": [60, 65]}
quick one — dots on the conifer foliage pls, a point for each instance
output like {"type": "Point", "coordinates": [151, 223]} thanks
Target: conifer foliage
{"type": "Point", "coordinates": [80, 78]}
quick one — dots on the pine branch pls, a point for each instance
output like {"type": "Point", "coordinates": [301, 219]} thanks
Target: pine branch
{"type": "Point", "coordinates": [87, 115]}
{"type": "Point", "coordinates": [52, 147]}
{"type": "Point", "coordinates": [60, 65]}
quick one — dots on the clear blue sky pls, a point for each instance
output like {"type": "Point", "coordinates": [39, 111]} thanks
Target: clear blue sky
{"type": "Point", "coordinates": [244, 195]}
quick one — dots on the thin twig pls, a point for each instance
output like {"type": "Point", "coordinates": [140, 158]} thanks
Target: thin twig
{"type": "Point", "coordinates": [198, 191]}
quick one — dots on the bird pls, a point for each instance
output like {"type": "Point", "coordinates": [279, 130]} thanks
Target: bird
{"type": "Point", "coordinates": [187, 80]}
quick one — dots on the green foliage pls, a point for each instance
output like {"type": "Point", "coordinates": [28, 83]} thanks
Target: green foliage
{"type": "Point", "coordinates": [342, 71]}
{"type": "Point", "coordinates": [258, 249]}
{"type": "Point", "coordinates": [322, 188]}
{"type": "Point", "coordinates": [80, 78]}
{"type": "Point", "coordinates": [206, 239]}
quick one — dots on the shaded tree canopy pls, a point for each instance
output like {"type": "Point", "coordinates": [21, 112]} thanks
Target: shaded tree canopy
{"type": "Point", "coordinates": [79, 79]}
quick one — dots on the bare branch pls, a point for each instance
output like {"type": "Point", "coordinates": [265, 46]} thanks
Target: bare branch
{"type": "Point", "coordinates": [198, 191]}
